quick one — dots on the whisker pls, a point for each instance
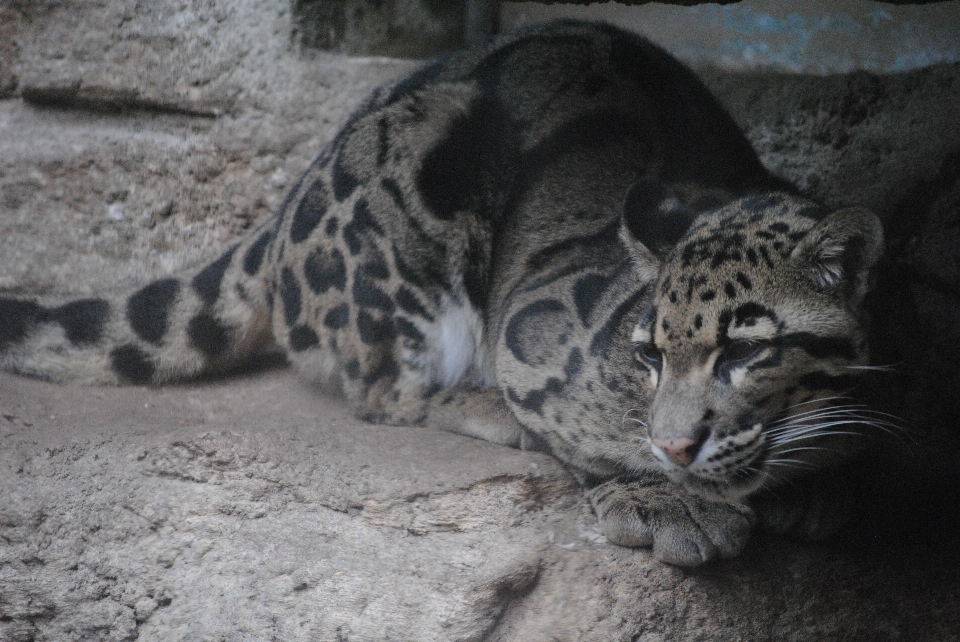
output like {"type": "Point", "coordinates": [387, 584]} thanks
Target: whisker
{"type": "Point", "coordinates": [790, 462]}
{"type": "Point", "coordinates": [828, 411]}
{"type": "Point", "coordinates": [884, 368]}
{"type": "Point", "coordinates": [789, 439]}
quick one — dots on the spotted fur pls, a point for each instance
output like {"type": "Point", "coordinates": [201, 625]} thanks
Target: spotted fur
{"type": "Point", "coordinates": [558, 239]}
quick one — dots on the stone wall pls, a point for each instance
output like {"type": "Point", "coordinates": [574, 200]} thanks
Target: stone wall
{"type": "Point", "coordinates": [139, 137]}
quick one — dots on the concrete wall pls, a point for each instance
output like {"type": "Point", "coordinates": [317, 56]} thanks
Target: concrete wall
{"type": "Point", "coordinates": [806, 36]}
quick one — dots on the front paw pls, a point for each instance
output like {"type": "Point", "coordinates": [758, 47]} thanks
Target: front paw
{"type": "Point", "coordinates": [682, 529]}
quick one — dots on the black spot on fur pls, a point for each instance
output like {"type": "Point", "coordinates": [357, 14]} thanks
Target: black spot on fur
{"type": "Point", "coordinates": [603, 340]}
{"type": "Point", "coordinates": [752, 256]}
{"type": "Point", "coordinates": [132, 364]}
{"type": "Point", "coordinates": [290, 295]}
{"type": "Point", "coordinates": [255, 253]}
{"type": "Point", "coordinates": [361, 223]}
{"type": "Point", "coordinates": [698, 321]}
{"type": "Point", "coordinates": [333, 224]}
{"type": "Point", "coordinates": [387, 369]}
{"type": "Point", "coordinates": [208, 335]}
{"type": "Point", "coordinates": [409, 303]}
{"type": "Point", "coordinates": [587, 292]}
{"type": "Point", "coordinates": [766, 257]}
{"type": "Point", "coordinates": [368, 295]}
{"type": "Point", "coordinates": [344, 181]}
{"type": "Point", "coordinates": [779, 228]}
{"type": "Point", "coordinates": [337, 317]}
{"type": "Point", "coordinates": [729, 290]}
{"type": "Point", "coordinates": [82, 320]}
{"type": "Point", "coordinates": [512, 335]}
{"type": "Point", "coordinates": [390, 186]}
{"type": "Point", "coordinates": [383, 141]}
{"type": "Point", "coordinates": [207, 282]}
{"type": "Point", "coordinates": [148, 309]}
{"type": "Point", "coordinates": [353, 369]}
{"type": "Point", "coordinates": [531, 402]}
{"type": "Point", "coordinates": [574, 247]}
{"type": "Point", "coordinates": [375, 266]}
{"type": "Point", "coordinates": [310, 211]}
{"type": "Point", "coordinates": [302, 337]}
{"type": "Point", "coordinates": [744, 282]}
{"type": "Point", "coordinates": [324, 270]}
{"type": "Point", "coordinates": [406, 329]}
{"type": "Point", "coordinates": [373, 331]}
{"type": "Point", "coordinates": [17, 318]}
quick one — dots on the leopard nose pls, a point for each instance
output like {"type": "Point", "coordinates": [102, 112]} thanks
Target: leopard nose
{"type": "Point", "coordinates": [680, 450]}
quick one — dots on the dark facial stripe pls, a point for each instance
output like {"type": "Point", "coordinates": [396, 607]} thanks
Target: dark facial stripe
{"type": "Point", "coordinates": [818, 346]}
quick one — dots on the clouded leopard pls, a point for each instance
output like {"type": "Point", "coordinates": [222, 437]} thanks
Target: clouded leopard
{"type": "Point", "coordinates": [558, 239]}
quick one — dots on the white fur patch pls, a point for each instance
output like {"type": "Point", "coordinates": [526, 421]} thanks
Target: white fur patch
{"type": "Point", "coordinates": [455, 346]}
{"type": "Point", "coordinates": [762, 329]}
{"type": "Point", "coordinates": [640, 335]}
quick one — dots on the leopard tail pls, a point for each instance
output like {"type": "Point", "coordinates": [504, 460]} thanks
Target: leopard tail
{"type": "Point", "coordinates": [175, 328]}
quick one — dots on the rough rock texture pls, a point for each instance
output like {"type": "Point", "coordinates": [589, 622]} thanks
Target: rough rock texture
{"type": "Point", "coordinates": [253, 509]}
{"type": "Point", "coordinates": [136, 141]}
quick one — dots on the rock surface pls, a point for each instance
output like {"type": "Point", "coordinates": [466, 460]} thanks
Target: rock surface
{"type": "Point", "coordinates": [254, 509]}
{"type": "Point", "coordinates": [135, 142]}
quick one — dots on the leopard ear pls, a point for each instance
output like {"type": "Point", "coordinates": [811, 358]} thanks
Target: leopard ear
{"type": "Point", "coordinates": [652, 222]}
{"type": "Point", "coordinates": [641, 201]}
{"type": "Point", "coordinates": [840, 251]}
{"type": "Point", "coordinates": [645, 262]}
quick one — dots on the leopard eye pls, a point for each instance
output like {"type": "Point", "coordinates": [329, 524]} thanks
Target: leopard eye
{"type": "Point", "coordinates": [648, 355]}
{"type": "Point", "coordinates": [738, 352]}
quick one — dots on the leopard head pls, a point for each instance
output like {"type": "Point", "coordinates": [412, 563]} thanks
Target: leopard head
{"type": "Point", "coordinates": [753, 339]}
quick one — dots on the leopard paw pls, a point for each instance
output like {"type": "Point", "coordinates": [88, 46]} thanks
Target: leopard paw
{"type": "Point", "coordinates": [682, 529]}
